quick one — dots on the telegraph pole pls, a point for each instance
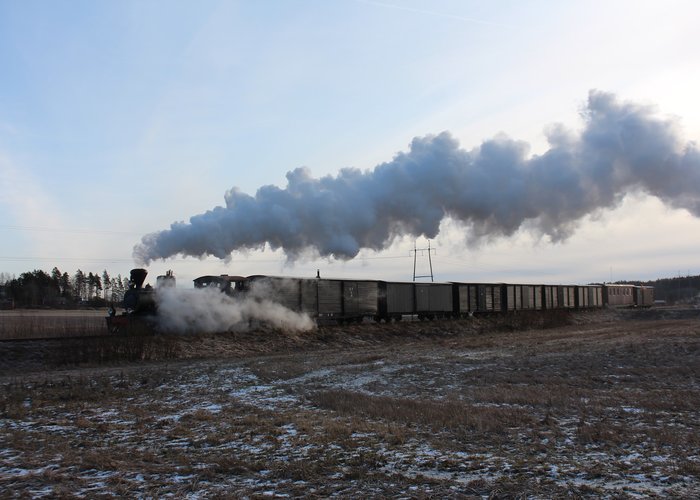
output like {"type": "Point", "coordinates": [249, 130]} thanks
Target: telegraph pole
{"type": "Point", "coordinates": [430, 260]}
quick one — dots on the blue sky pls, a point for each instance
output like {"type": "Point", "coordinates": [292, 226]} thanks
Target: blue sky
{"type": "Point", "coordinates": [118, 118]}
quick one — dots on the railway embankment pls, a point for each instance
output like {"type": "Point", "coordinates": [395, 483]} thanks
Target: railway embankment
{"type": "Point", "coordinates": [65, 351]}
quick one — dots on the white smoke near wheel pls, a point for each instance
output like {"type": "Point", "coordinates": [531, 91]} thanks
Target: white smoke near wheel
{"type": "Point", "coordinates": [207, 310]}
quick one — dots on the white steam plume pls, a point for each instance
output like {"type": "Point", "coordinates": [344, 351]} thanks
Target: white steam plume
{"type": "Point", "coordinates": [207, 310]}
{"type": "Point", "coordinates": [493, 190]}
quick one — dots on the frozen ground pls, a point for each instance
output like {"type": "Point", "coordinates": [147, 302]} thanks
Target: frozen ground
{"type": "Point", "coordinates": [607, 406]}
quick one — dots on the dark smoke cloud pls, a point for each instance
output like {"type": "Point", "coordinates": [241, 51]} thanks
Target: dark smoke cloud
{"type": "Point", "coordinates": [493, 190]}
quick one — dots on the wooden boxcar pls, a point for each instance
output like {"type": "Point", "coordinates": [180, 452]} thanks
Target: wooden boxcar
{"type": "Point", "coordinates": [470, 298]}
{"type": "Point", "coordinates": [396, 299]}
{"type": "Point", "coordinates": [644, 296]}
{"type": "Point", "coordinates": [619, 295]}
{"type": "Point", "coordinates": [322, 298]}
{"type": "Point", "coordinates": [433, 299]}
{"type": "Point", "coordinates": [522, 297]}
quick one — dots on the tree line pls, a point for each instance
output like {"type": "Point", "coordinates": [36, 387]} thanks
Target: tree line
{"type": "Point", "coordinates": [59, 289]}
{"type": "Point", "coordinates": [676, 290]}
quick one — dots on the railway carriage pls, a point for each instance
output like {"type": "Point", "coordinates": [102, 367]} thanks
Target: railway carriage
{"type": "Point", "coordinates": [589, 296]}
{"type": "Point", "coordinates": [433, 300]}
{"type": "Point", "coordinates": [479, 297]}
{"type": "Point", "coordinates": [522, 297]}
{"type": "Point", "coordinates": [619, 295]}
{"type": "Point", "coordinates": [644, 296]}
{"type": "Point", "coordinates": [424, 300]}
{"type": "Point", "coordinates": [224, 283]}
{"type": "Point", "coordinates": [551, 297]}
{"type": "Point", "coordinates": [628, 295]}
{"type": "Point", "coordinates": [396, 300]}
{"type": "Point", "coordinates": [323, 299]}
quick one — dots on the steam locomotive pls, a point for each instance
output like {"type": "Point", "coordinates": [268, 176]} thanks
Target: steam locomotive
{"type": "Point", "coordinates": [139, 303]}
{"type": "Point", "coordinates": [337, 301]}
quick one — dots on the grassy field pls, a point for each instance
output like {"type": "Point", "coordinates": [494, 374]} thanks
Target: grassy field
{"type": "Point", "coordinates": [604, 404]}
{"type": "Point", "coordinates": [43, 323]}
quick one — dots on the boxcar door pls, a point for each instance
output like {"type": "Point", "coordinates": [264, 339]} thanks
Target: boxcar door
{"type": "Point", "coordinates": [351, 299]}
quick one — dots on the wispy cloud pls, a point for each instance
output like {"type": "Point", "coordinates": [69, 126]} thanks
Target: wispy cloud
{"type": "Point", "coordinates": [23, 197]}
{"type": "Point", "coordinates": [433, 13]}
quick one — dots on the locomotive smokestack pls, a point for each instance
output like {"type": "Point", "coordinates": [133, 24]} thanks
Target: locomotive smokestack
{"type": "Point", "coordinates": [138, 276]}
{"type": "Point", "coordinates": [492, 190]}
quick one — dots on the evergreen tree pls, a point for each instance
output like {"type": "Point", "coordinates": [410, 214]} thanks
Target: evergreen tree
{"type": "Point", "coordinates": [117, 289]}
{"type": "Point", "coordinates": [66, 287]}
{"type": "Point", "coordinates": [56, 279]}
{"type": "Point", "coordinates": [34, 289]}
{"type": "Point", "coordinates": [79, 284]}
{"type": "Point", "coordinates": [97, 281]}
{"type": "Point", "coordinates": [107, 284]}
{"type": "Point", "coordinates": [90, 286]}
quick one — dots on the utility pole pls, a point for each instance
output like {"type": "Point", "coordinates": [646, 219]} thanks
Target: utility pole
{"type": "Point", "coordinates": [430, 260]}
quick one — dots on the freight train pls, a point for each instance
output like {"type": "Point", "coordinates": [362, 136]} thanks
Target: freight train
{"type": "Point", "coordinates": [347, 300]}
{"type": "Point", "coordinates": [353, 300]}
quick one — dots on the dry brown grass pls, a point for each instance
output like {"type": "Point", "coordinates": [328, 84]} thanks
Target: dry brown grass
{"type": "Point", "coordinates": [596, 409]}
{"type": "Point", "coordinates": [455, 416]}
{"type": "Point", "coordinates": [33, 324]}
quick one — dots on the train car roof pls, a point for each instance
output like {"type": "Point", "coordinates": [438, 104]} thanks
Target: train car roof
{"type": "Point", "coordinates": [310, 278]}
{"type": "Point", "coordinates": [417, 282]}
{"type": "Point", "coordinates": [623, 285]}
{"type": "Point", "coordinates": [519, 284]}
{"type": "Point", "coordinates": [220, 277]}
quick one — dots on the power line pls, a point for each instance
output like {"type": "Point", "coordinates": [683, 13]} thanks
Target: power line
{"type": "Point", "coordinates": [383, 257]}
{"type": "Point", "coordinates": [430, 260]}
{"type": "Point", "coordinates": [61, 259]}
{"type": "Point", "coordinates": [64, 230]}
